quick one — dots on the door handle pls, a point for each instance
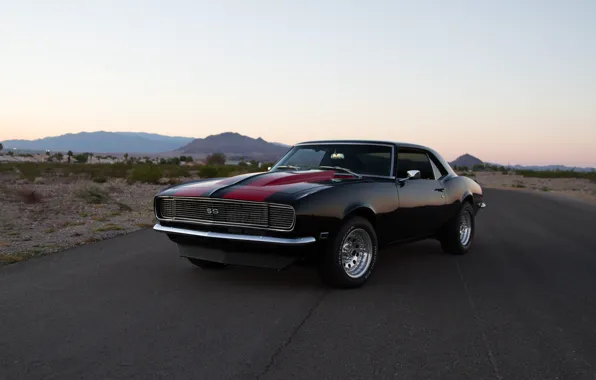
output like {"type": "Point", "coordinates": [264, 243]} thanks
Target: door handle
{"type": "Point", "coordinates": [441, 190]}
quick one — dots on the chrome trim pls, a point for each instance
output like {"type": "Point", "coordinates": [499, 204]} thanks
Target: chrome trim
{"type": "Point", "coordinates": [413, 174]}
{"type": "Point", "coordinates": [343, 143]}
{"type": "Point", "coordinates": [211, 223]}
{"type": "Point", "coordinates": [481, 205]}
{"type": "Point", "coordinates": [249, 238]}
{"type": "Point", "coordinates": [392, 146]}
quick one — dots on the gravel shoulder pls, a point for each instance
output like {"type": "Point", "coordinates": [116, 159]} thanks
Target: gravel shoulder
{"type": "Point", "coordinates": [53, 214]}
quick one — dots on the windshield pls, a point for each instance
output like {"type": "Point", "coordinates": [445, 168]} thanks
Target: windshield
{"type": "Point", "coordinates": [363, 159]}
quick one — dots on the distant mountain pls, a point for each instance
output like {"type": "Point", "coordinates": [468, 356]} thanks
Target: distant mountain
{"type": "Point", "coordinates": [102, 142]}
{"type": "Point", "coordinates": [466, 160]}
{"type": "Point", "coordinates": [280, 144]}
{"type": "Point", "coordinates": [235, 145]}
{"type": "Point", "coordinates": [156, 137]}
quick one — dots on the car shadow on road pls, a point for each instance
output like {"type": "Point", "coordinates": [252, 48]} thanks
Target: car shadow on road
{"type": "Point", "coordinates": [394, 264]}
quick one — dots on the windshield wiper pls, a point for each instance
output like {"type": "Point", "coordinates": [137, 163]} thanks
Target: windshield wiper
{"type": "Point", "coordinates": [340, 168]}
{"type": "Point", "coordinates": [288, 167]}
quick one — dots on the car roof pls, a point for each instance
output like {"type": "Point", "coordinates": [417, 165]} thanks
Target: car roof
{"type": "Point", "coordinates": [364, 142]}
{"type": "Point", "coordinates": [386, 142]}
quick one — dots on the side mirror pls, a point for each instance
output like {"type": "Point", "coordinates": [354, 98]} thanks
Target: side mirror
{"type": "Point", "coordinates": [413, 174]}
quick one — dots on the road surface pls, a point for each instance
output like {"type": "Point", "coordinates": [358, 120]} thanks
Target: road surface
{"type": "Point", "coordinates": [520, 305]}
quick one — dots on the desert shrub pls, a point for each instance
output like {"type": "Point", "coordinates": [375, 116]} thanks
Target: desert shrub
{"type": "Point", "coordinates": [176, 171]}
{"type": "Point", "coordinates": [169, 161]}
{"type": "Point", "coordinates": [216, 159]}
{"type": "Point", "coordinates": [557, 174]}
{"type": "Point", "coordinates": [6, 168]}
{"type": "Point", "coordinates": [81, 158]}
{"type": "Point", "coordinates": [208, 172]}
{"type": "Point", "coordinates": [29, 196]}
{"type": "Point", "coordinates": [110, 227]}
{"type": "Point", "coordinates": [467, 174]}
{"type": "Point", "coordinates": [146, 173]}
{"type": "Point", "coordinates": [99, 179]}
{"type": "Point", "coordinates": [93, 195]}
{"type": "Point", "coordinates": [118, 170]}
{"type": "Point", "coordinates": [256, 168]}
{"type": "Point", "coordinates": [30, 170]}
{"type": "Point", "coordinates": [227, 170]}
{"type": "Point", "coordinates": [123, 206]}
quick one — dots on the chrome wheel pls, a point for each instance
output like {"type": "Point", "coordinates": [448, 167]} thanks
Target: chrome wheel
{"type": "Point", "coordinates": [465, 228]}
{"type": "Point", "coordinates": [356, 252]}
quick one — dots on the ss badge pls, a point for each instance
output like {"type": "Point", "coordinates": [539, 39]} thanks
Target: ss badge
{"type": "Point", "coordinates": [212, 211]}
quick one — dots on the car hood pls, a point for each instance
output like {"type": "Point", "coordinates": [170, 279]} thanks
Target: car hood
{"type": "Point", "coordinates": [261, 186]}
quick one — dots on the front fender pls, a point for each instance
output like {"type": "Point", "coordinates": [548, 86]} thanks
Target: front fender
{"type": "Point", "coordinates": [359, 208]}
{"type": "Point", "coordinates": [325, 210]}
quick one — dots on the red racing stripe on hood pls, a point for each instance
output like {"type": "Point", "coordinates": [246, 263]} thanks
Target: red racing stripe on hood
{"type": "Point", "coordinates": [267, 185]}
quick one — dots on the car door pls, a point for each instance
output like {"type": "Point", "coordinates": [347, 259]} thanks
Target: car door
{"type": "Point", "coordinates": [421, 200]}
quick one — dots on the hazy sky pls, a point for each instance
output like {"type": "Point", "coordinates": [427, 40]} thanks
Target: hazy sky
{"type": "Point", "coordinates": [510, 81]}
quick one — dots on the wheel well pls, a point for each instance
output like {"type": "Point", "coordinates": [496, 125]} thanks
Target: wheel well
{"type": "Point", "coordinates": [366, 213]}
{"type": "Point", "coordinates": [469, 199]}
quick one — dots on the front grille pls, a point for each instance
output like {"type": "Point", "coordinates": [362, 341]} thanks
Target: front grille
{"type": "Point", "coordinates": [227, 212]}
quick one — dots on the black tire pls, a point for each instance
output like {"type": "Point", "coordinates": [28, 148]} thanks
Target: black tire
{"type": "Point", "coordinates": [450, 237]}
{"type": "Point", "coordinates": [207, 264]}
{"type": "Point", "coordinates": [332, 270]}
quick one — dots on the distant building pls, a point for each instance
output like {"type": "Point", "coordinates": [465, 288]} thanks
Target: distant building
{"type": "Point", "coordinates": [192, 163]}
{"type": "Point", "coordinates": [237, 162]}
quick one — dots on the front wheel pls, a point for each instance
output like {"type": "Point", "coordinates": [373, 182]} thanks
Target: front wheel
{"type": "Point", "coordinates": [350, 258]}
{"type": "Point", "coordinates": [457, 236]}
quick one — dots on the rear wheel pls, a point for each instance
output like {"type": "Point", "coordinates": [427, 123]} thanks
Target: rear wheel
{"type": "Point", "coordinates": [206, 264]}
{"type": "Point", "coordinates": [350, 258]}
{"type": "Point", "coordinates": [457, 236]}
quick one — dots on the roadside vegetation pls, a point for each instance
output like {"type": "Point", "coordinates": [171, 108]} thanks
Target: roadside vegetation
{"type": "Point", "coordinates": [547, 174]}
{"type": "Point", "coordinates": [558, 174]}
{"type": "Point", "coordinates": [132, 172]}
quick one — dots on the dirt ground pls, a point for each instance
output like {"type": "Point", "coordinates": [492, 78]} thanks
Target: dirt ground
{"type": "Point", "coordinates": [581, 189]}
{"type": "Point", "coordinates": [52, 214]}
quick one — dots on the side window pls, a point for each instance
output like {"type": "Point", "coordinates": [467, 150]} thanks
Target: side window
{"type": "Point", "coordinates": [375, 163]}
{"type": "Point", "coordinates": [414, 160]}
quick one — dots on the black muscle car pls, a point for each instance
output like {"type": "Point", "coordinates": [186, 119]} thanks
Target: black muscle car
{"type": "Point", "coordinates": [332, 202]}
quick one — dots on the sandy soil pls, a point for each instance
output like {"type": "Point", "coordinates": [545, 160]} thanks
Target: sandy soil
{"type": "Point", "coordinates": [581, 189]}
{"type": "Point", "coordinates": [54, 214]}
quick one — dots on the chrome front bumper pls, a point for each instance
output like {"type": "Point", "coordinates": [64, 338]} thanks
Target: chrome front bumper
{"type": "Point", "coordinates": [236, 237]}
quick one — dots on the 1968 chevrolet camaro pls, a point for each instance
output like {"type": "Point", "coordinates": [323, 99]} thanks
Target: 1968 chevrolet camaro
{"type": "Point", "coordinates": [334, 203]}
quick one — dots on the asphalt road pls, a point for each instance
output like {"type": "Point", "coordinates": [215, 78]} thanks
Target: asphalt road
{"type": "Point", "coordinates": [520, 305]}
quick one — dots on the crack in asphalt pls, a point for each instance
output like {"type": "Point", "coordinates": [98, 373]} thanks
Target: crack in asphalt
{"type": "Point", "coordinates": [288, 341]}
{"type": "Point", "coordinates": [489, 352]}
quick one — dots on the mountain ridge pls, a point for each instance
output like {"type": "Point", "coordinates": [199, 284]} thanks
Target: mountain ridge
{"type": "Point", "coordinates": [232, 144]}
{"type": "Point", "coordinates": [102, 142]}
{"type": "Point", "coordinates": [466, 160]}
{"type": "Point", "coordinates": [235, 144]}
